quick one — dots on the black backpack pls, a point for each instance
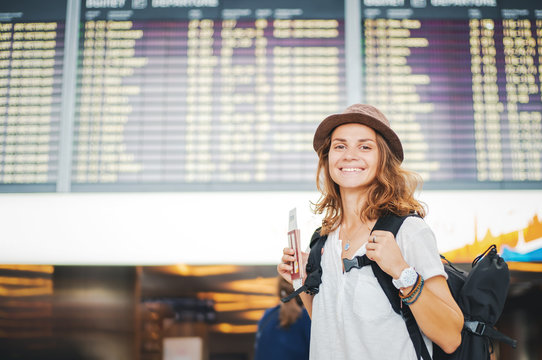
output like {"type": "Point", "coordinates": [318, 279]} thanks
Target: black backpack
{"type": "Point", "coordinates": [480, 294]}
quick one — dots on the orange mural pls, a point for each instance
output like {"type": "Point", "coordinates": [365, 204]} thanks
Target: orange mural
{"type": "Point", "coordinates": [515, 241]}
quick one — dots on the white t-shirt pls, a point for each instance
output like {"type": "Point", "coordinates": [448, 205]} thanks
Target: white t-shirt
{"type": "Point", "coordinates": [351, 316]}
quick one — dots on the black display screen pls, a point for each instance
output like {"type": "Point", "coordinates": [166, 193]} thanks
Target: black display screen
{"type": "Point", "coordinates": [211, 95]}
{"type": "Point", "coordinates": [461, 85]}
{"type": "Point", "coordinates": [31, 63]}
{"type": "Point", "coordinates": [218, 97]}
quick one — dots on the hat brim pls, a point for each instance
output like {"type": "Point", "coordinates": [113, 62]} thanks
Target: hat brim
{"type": "Point", "coordinates": [327, 126]}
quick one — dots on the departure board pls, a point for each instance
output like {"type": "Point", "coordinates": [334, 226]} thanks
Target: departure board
{"type": "Point", "coordinates": [31, 62]}
{"type": "Point", "coordinates": [460, 81]}
{"type": "Point", "coordinates": [219, 95]}
{"type": "Point", "coordinates": [224, 95]}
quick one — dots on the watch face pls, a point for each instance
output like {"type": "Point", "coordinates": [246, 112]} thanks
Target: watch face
{"type": "Point", "coordinates": [407, 278]}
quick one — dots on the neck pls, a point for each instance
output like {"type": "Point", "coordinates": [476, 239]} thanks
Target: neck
{"type": "Point", "coordinates": [352, 203]}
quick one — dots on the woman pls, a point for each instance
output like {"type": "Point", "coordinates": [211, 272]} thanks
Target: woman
{"type": "Point", "coordinates": [360, 178]}
{"type": "Point", "coordinates": [284, 330]}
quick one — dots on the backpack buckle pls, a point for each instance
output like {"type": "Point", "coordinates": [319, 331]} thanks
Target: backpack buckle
{"type": "Point", "coordinates": [357, 262]}
{"type": "Point", "coordinates": [350, 263]}
{"type": "Point", "coordinates": [476, 327]}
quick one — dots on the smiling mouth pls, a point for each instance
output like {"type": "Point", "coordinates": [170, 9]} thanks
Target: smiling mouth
{"type": "Point", "coordinates": [351, 170]}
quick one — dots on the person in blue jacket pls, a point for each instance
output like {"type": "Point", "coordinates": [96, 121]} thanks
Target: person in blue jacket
{"type": "Point", "coordinates": [284, 330]}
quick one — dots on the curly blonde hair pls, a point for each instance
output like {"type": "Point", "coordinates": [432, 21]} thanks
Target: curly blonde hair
{"type": "Point", "coordinates": [392, 190]}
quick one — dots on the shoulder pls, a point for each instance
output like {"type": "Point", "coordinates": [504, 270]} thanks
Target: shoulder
{"type": "Point", "coordinates": [414, 225]}
{"type": "Point", "coordinates": [270, 312]}
{"type": "Point", "coordinates": [321, 239]}
{"type": "Point", "coordinates": [415, 234]}
{"type": "Point", "coordinates": [419, 247]}
{"type": "Point", "coordinates": [315, 236]}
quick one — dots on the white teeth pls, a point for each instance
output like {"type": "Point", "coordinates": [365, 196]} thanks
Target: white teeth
{"type": "Point", "coordinates": [351, 169]}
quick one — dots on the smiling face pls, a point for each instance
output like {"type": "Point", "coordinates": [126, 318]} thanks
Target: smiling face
{"type": "Point", "coordinates": [353, 156]}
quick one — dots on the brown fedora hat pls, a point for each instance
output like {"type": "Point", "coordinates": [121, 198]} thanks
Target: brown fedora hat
{"type": "Point", "coordinates": [362, 114]}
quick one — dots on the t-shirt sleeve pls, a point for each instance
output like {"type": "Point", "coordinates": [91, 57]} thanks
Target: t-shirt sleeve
{"type": "Point", "coordinates": [419, 247]}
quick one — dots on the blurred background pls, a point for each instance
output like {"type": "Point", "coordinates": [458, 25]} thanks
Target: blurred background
{"type": "Point", "coordinates": [150, 151]}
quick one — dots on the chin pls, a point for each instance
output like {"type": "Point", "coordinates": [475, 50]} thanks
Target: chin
{"type": "Point", "coordinates": [353, 186]}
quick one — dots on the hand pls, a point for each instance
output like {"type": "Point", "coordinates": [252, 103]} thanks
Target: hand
{"type": "Point", "coordinates": [383, 249]}
{"type": "Point", "coordinates": [285, 267]}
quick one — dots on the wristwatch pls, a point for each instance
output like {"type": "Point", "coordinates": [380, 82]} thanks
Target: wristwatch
{"type": "Point", "coordinates": [407, 278]}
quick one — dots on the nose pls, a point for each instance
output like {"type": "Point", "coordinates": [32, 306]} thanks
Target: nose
{"type": "Point", "coordinates": [351, 154]}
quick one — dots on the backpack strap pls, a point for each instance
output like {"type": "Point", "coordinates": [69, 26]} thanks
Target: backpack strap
{"type": "Point", "coordinates": [389, 222]}
{"type": "Point", "coordinates": [314, 269]}
{"type": "Point", "coordinates": [482, 329]}
{"type": "Point", "coordinates": [392, 223]}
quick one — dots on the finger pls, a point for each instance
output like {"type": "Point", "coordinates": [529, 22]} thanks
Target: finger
{"type": "Point", "coordinates": [286, 259]}
{"type": "Point", "coordinates": [371, 253]}
{"type": "Point", "coordinates": [284, 268]}
{"type": "Point", "coordinates": [288, 250]}
{"type": "Point", "coordinates": [382, 233]}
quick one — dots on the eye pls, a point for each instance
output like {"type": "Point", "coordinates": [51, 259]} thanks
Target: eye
{"type": "Point", "coordinates": [339, 147]}
{"type": "Point", "coordinates": [365, 147]}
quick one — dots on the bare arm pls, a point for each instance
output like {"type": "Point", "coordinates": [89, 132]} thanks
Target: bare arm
{"type": "Point", "coordinates": [435, 310]}
{"type": "Point", "coordinates": [307, 301]}
{"type": "Point", "coordinates": [438, 315]}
